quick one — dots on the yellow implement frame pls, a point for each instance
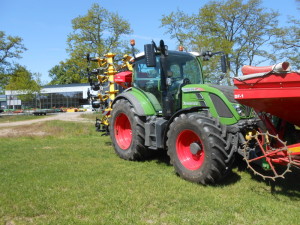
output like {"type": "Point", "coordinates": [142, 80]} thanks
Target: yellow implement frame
{"type": "Point", "coordinates": [108, 65]}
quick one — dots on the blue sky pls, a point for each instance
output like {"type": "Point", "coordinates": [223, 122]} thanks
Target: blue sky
{"type": "Point", "coordinates": [45, 24]}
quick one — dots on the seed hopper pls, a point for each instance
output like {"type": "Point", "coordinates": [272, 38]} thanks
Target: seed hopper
{"type": "Point", "coordinates": [274, 93]}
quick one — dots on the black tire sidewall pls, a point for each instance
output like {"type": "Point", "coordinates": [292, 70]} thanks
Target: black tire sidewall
{"type": "Point", "coordinates": [137, 149]}
{"type": "Point", "coordinates": [181, 169]}
{"type": "Point", "coordinates": [203, 127]}
{"type": "Point", "coordinates": [123, 106]}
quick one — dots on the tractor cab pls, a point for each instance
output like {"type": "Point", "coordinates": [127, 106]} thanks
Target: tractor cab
{"type": "Point", "coordinates": [165, 76]}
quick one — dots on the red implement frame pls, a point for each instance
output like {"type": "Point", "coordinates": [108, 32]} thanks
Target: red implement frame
{"type": "Point", "coordinates": [277, 94]}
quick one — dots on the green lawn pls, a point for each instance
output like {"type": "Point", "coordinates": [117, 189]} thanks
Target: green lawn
{"type": "Point", "coordinates": [15, 118]}
{"type": "Point", "coordinates": [91, 115]}
{"type": "Point", "coordinates": [72, 176]}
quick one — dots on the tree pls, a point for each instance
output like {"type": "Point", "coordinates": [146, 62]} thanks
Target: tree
{"type": "Point", "coordinates": [11, 47]}
{"type": "Point", "coordinates": [287, 42]}
{"type": "Point", "coordinates": [241, 30]}
{"type": "Point", "coordinates": [24, 82]}
{"type": "Point", "coordinates": [4, 78]}
{"type": "Point", "coordinates": [66, 73]}
{"type": "Point", "coordinates": [98, 32]}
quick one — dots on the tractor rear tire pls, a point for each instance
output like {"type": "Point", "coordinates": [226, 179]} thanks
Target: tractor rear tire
{"type": "Point", "coordinates": [196, 148]}
{"type": "Point", "coordinates": [127, 132]}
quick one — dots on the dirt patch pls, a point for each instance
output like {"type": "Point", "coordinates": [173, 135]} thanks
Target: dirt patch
{"type": "Point", "coordinates": [13, 132]}
{"type": "Point", "coordinates": [59, 116]}
{"type": "Point", "coordinates": [29, 128]}
{"type": "Point", "coordinates": [36, 129]}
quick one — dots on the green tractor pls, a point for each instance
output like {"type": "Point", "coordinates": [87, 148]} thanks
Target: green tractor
{"type": "Point", "coordinates": [169, 107]}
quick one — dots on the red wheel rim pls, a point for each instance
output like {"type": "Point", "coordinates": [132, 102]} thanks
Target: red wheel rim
{"type": "Point", "coordinates": [123, 131]}
{"type": "Point", "coordinates": [185, 156]}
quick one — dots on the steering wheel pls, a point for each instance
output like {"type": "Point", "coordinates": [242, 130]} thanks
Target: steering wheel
{"type": "Point", "coordinates": [186, 81]}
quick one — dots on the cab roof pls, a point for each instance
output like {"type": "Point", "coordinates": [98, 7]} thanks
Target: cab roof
{"type": "Point", "coordinates": [141, 54]}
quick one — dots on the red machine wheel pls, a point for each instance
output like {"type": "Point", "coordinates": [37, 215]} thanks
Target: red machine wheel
{"type": "Point", "coordinates": [196, 148]}
{"type": "Point", "coordinates": [269, 152]}
{"type": "Point", "coordinates": [186, 140]}
{"type": "Point", "coordinates": [123, 131]}
{"type": "Point", "coordinates": [127, 132]}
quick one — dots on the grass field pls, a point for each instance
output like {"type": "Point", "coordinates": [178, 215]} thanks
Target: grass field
{"type": "Point", "coordinates": [15, 118]}
{"type": "Point", "coordinates": [92, 116]}
{"type": "Point", "coordinates": [71, 175]}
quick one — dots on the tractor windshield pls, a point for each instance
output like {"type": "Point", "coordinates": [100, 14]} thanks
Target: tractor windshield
{"type": "Point", "coordinates": [183, 65]}
{"type": "Point", "coordinates": [180, 66]}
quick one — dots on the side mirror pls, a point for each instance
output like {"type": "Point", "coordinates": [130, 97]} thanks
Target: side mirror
{"type": "Point", "coordinates": [223, 64]}
{"type": "Point", "coordinates": [150, 55]}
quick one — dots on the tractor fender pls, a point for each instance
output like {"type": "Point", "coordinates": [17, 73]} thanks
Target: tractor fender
{"type": "Point", "coordinates": [140, 103]}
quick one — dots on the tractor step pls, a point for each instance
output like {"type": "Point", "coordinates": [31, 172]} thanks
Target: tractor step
{"type": "Point", "coordinates": [154, 133]}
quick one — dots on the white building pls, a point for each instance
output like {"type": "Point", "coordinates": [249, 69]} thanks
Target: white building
{"type": "Point", "coordinates": [51, 96]}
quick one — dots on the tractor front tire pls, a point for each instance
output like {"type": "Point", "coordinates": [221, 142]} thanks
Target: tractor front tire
{"type": "Point", "coordinates": [196, 148]}
{"type": "Point", "coordinates": [127, 132]}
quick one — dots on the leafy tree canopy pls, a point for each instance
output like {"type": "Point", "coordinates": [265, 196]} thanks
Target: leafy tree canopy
{"type": "Point", "coordinates": [287, 43]}
{"type": "Point", "coordinates": [98, 32]}
{"type": "Point", "coordinates": [22, 80]}
{"type": "Point", "coordinates": [242, 30]}
{"type": "Point", "coordinates": [67, 73]}
{"type": "Point", "coordinates": [11, 47]}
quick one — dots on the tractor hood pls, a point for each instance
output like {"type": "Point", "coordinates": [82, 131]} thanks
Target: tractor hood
{"type": "Point", "coordinates": [228, 91]}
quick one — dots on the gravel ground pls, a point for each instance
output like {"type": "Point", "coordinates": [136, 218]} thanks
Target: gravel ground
{"type": "Point", "coordinates": [72, 116]}
{"type": "Point", "coordinates": [14, 129]}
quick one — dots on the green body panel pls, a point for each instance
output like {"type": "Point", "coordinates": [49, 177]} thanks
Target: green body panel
{"type": "Point", "coordinates": [190, 99]}
{"type": "Point", "coordinates": [147, 100]}
{"type": "Point", "coordinates": [153, 101]}
{"type": "Point", "coordinates": [151, 106]}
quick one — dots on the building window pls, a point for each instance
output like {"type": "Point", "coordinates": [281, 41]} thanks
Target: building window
{"type": "Point", "coordinates": [55, 100]}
